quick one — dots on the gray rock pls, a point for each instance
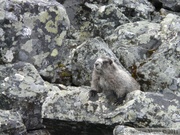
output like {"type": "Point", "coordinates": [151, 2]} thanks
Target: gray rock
{"type": "Point", "coordinates": [124, 130]}
{"type": "Point", "coordinates": [33, 31]}
{"type": "Point", "coordinates": [135, 10]}
{"type": "Point", "coordinates": [83, 58]}
{"type": "Point", "coordinates": [140, 109]}
{"type": "Point", "coordinates": [162, 71]}
{"type": "Point", "coordinates": [11, 123]}
{"type": "Point", "coordinates": [105, 19]}
{"type": "Point", "coordinates": [108, 18]}
{"type": "Point", "coordinates": [173, 5]}
{"type": "Point", "coordinates": [92, 20]}
{"type": "Point", "coordinates": [134, 42]}
{"type": "Point", "coordinates": [23, 90]}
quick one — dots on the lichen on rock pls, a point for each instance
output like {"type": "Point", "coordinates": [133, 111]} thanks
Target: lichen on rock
{"type": "Point", "coordinates": [45, 44]}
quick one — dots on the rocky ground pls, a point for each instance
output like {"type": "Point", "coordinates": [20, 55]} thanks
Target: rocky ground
{"type": "Point", "coordinates": [47, 51]}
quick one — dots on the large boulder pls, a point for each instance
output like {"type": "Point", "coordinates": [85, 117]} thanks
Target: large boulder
{"type": "Point", "coordinates": [106, 19]}
{"type": "Point", "coordinates": [11, 123]}
{"type": "Point", "coordinates": [173, 5]}
{"type": "Point", "coordinates": [32, 31]}
{"type": "Point", "coordinates": [139, 110]}
{"type": "Point", "coordinates": [76, 65]}
{"type": "Point", "coordinates": [125, 130]}
{"type": "Point", "coordinates": [23, 90]}
{"type": "Point", "coordinates": [135, 10]}
{"type": "Point", "coordinates": [133, 43]}
{"type": "Point", "coordinates": [83, 58]}
{"type": "Point", "coordinates": [162, 71]}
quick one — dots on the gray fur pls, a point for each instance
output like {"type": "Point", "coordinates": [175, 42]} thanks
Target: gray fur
{"type": "Point", "coordinates": [107, 76]}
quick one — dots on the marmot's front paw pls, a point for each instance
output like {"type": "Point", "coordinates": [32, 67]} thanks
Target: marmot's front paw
{"type": "Point", "coordinates": [92, 93]}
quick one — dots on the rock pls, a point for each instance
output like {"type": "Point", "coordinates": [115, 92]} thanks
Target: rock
{"type": "Point", "coordinates": [33, 31]}
{"type": "Point", "coordinates": [38, 44]}
{"type": "Point", "coordinates": [174, 5]}
{"type": "Point", "coordinates": [162, 71]}
{"type": "Point", "coordinates": [83, 58]}
{"type": "Point", "coordinates": [135, 10]}
{"type": "Point", "coordinates": [23, 90]}
{"type": "Point", "coordinates": [72, 7]}
{"type": "Point", "coordinates": [11, 123]}
{"type": "Point", "coordinates": [108, 19]}
{"type": "Point", "coordinates": [139, 110]}
{"type": "Point", "coordinates": [122, 130]}
{"type": "Point", "coordinates": [133, 43]}
{"type": "Point", "coordinates": [90, 18]}
{"type": "Point", "coordinates": [72, 104]}
{"type": "Point", "coordinates": [39, 132]}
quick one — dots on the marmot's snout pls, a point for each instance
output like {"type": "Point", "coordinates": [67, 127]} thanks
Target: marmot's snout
{"type": "Point", "coordinates": [98, 64]}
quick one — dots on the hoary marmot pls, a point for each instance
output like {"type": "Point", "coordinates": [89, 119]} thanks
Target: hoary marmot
{"type": "Point", "coordinates": [107, 76]}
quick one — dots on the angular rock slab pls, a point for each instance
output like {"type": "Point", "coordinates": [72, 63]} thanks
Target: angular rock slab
{"type": "Point", "coordinates": [124, 130]}
{"type": "Point", "coordinates": [11, 123]}
{"type": "Point", "coordinates": [22, 89]}
{"type": "Point", "coordinates": [162, 71]}
{"type": "Point", "coordinates": [32, 31]}
{"type": "Point", "coordinates": [133, 43]}
{"type": "Point", "coordinates": [72, 104]}
{"type": "Point", "coordinates": [136, 10]}
{"type": "Point", "coordinates": [83, 58]}
{"type": "Point", "coordinates": [140, 110]}
{"type": "Point", "coordinates": [174, 5]}
{"type": "Point", "coordinates": [105, 19]}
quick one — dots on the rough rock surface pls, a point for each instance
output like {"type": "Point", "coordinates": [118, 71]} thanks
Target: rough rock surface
{"type": "Point", "coordinates": [11, 123]}
{"type": "Point", "coordinates": [124, 130]}
{"type": "Point", "coordinates": [139, 110]}
{"type": "Point", "coordinates": [23, 90]}
{"type": "Point", "coordinates": [162, 71]}
{"type": "Point", "coordinates": [173, 5]}
{"type": "Point", "coordinates": [135, 9]}
{"type": "Point", "coordinates": [133, 43]}
{"type": "Point", "coordinates": [141, 35]}
{"type": "Point", "coordinates": [32, 31]}
{"type": "Point", "coordinates": [83, 58]}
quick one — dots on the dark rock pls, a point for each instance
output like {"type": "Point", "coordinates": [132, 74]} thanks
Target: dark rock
{"type": "Point", "coordinates": [38, 132]}
{"type": "Point", "coordinates": [173, 5]}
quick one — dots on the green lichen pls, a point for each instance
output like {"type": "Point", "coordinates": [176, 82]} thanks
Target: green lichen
{"type": "Point", "coordinates": [61, 65]}
{"type": "Point", "coordinates": [65, 74]}
{"type": "Point", "coordinates": [51, 27]}
{"type": "Point", "coordinates": [54, 53]}
{"type": "Point", "coordinates": [43, 17]}
{"type": "Point", "coordinates": [60, 38]}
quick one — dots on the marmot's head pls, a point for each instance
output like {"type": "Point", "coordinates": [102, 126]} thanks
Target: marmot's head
{"type": "Point", "coordinates": [102, 64]}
